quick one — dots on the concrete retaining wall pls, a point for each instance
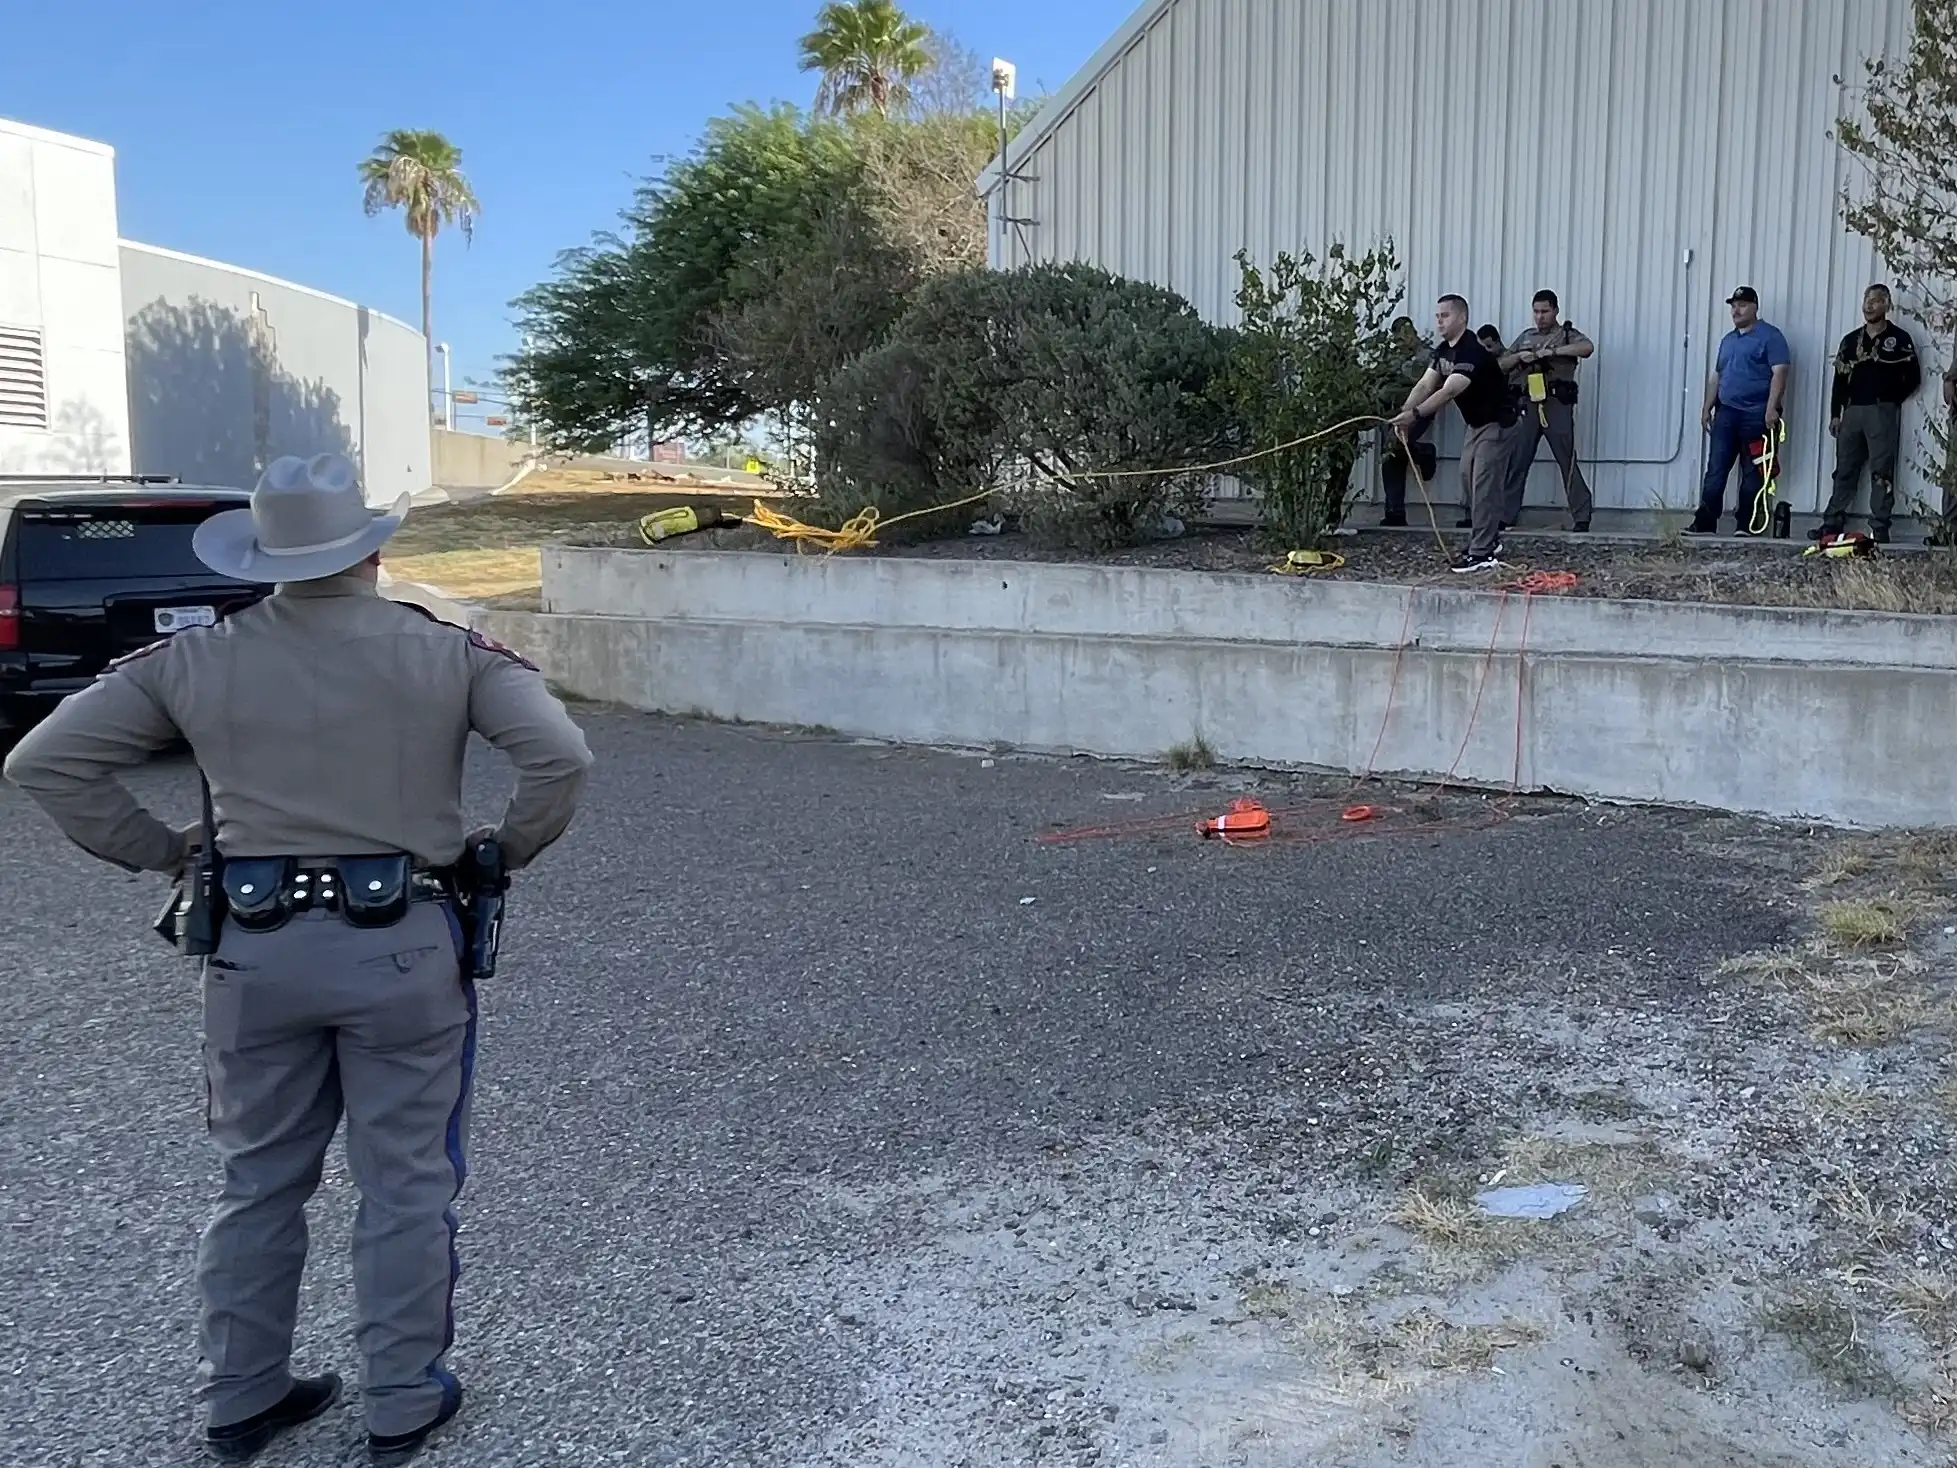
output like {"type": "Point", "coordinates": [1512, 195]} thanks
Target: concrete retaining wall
{"type": "Point", "coordinates": [1847, 718]}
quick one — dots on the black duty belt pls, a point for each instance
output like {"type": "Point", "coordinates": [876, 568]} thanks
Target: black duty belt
{"type": "Point", "coordinates": [265, 892]}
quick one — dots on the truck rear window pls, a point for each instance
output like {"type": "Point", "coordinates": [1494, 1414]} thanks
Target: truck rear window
{"type": "Point", "coordinates": [119, 542]}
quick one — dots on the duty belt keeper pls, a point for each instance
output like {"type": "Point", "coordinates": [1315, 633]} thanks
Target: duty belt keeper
{"type": "Point", "coordinates": [264, 893]}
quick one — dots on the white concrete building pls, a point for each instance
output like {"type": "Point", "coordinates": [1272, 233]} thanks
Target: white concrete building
{"type": "Point", "coordinates": [64, 407]}
{"type": "Point", "coordinates": [1640, 157]}
{"type": "Point", "coordinates": [118, 357]}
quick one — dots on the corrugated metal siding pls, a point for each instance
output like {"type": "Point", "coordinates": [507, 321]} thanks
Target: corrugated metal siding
{"type": "Point", "coordinates": [1505, 145]}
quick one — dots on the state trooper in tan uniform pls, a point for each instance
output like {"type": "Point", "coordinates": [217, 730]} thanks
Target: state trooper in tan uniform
{"type": "Point", "coordinates": [330, 723]}
{"type": "Point", "coordinates": [1552, 348]}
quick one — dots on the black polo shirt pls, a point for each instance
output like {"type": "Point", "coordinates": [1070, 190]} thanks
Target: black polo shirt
{"type": "Point", "coordinates": [1487, 397]}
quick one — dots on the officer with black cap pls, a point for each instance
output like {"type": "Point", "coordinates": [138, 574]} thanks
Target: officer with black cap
{"type": "Point", "coordinates": [330, 724]}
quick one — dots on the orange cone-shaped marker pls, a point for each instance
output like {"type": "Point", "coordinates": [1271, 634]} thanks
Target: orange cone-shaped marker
{"type": "Point", "coordinates": [1246, 820]}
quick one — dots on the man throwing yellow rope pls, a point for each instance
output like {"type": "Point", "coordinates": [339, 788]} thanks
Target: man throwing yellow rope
{"type": "Point", "coordinates": [1465, 373]}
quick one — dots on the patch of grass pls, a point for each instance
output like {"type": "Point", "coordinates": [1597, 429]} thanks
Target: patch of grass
{"type": "Point", "coordinates": [1864, 1005]}
{"type": "Point", "coordinates": [1440, 1222]}
{"type": "Point", "coordinates": [1269, 1300]}
{"type": "Point", "coordinates": [1927, 862]}
{"type": "Point", "coordinates": [1877, 1227]}
{"type": "Point", "coordinates": [1193, 753]}
{"type": "Point", "coordinates": [1842, 863]}
{"type": "Point", "coordinates": [1613, 1172]}
{"type": "Point", "coordinates": [1348, 1339]}
{"type": "Point", "coordinates": [1776, 966]}
{"type": "Point", "coordinates": [1822, 1325]}
{"type": "Point", "coordinates": [1879, 923]}
{"type": "Point", "coordinates": [1925, 1298]}
{"type": "Point", "coordinates": [1845, 1101]}
{"type": "Point", "coordinates": [472, 574]}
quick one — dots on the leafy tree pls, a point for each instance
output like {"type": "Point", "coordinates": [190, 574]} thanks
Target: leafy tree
{"type": "Point", "coordinates": [421, 174]}
{"type": "Point", "coordinates": [957, 82]}
{"type": "Point", "coordinates": [624, 337]}
{"type": "Point", "coordinates": [1905, 198]}
{"type": "Point", "coordinates": [868, 52]}
{"type": "Point", "coordinates": [1313, 349]}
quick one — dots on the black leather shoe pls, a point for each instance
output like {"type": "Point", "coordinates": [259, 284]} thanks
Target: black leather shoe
{"type": "Point", "coordinates": [385, 1452]}
{"type": "Point", "coordinates": [237, 1442]}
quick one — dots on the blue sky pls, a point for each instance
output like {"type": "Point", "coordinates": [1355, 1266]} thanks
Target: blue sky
{"type": "Point", "coordinates": [238, 126]}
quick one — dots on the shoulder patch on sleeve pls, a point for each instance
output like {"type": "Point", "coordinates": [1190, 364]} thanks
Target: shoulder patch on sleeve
{"type": "Point", "coordinates": [141, 652]}
{"type": "Point", "coordinates": [490, 644]}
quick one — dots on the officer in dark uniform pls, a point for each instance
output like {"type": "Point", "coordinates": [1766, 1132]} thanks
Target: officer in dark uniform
{"type": "Point", "coordinates": [330, 724]}
{"type": "Point", "coordinates": [1876, 371]}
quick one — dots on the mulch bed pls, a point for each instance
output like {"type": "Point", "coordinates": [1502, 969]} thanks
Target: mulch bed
{"type": "Point", "coordinates": [1724, 570]}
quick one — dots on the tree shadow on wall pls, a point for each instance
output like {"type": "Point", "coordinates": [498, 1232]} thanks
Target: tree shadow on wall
{"type": "Point", "coordinates": [209, 403]}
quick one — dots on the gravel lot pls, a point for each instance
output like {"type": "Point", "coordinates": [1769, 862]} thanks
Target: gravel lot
{"type": "Point", "coordinates": [827, 1117]}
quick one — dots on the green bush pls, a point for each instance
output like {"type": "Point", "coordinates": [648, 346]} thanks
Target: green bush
{"type": "Point", "coordinates": [1113, 376]}
{"type": "Point", "coordinates": [1313, 349]}
{"type": "Point", "coordinates": [1055, 375]}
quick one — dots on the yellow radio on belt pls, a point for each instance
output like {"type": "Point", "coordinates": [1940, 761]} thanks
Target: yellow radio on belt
{"type": "Point", "coordinates": [1538, 387]}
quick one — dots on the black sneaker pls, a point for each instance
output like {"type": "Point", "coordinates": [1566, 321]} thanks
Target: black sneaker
{"type": "Point", "coordinates": [1699, 527]}
{"type": "Point", "coordinates": [237, 1442]}
{"type": "Point", "coordinates": [1582, 527]}
{"type": "Point", "coordinates": [1392, 520]}
{"type": "Point", "coordinates": [1880, 537]}
{"type": "Point", "coordinates": [386, 1451]}
{"type": "Point", "coordinates": [1466, 564]}
{"type": "Point", "coordinates": [1466, 522]}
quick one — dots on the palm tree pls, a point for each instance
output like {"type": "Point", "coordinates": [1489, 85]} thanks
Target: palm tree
{"type": "Point", "coordinates": [867, 51]}
{"type": "Point", "coordinates": [421, 173]}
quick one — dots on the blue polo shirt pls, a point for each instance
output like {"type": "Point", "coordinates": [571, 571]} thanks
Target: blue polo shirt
{"type": "Point", "coordinates": [1746, 366]}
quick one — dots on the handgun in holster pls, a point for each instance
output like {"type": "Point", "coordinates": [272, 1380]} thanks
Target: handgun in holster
{"type": "Point", "coordinates": [192, 920]}
{"type": "Point", "coordinates": [482, 877]}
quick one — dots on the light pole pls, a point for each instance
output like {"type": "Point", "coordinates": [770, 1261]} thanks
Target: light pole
{"type": "Point", "coordinates": [448, 397]}
{"type": "Point", "coordinates": [1005, 77]}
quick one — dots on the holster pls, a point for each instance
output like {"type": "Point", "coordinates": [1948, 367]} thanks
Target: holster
{"type": "Point", "coordinates": [1564, 391]}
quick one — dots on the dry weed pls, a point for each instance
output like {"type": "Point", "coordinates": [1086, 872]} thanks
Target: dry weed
{"type": "Point", "coordinates": [1823, 1326]}
{"type": "Point", "coordinates": [1864, 924]}
{"type": "Point", "coordinates": [1926, 1298]}
{"type": "Point", "coordinates": [1845, 1101]}
{"type": "Point", "coordinates": [1777, 966]}
{"type": "Point", "coordinates": [1842, 863]}
{"type": "Point", "coordinates": [1438, 1221]}
{"type": "Point", "coordinates": [1612, 1171]}
{"type": "Point", "coordinates": [1927, 860]}
{"type": "Point", "coordinates": [1866, 1004]}
{"type": "Point", "coordinates": [1880, 1227]}
{"type": "Point", "coordinates": [1349, 1339]}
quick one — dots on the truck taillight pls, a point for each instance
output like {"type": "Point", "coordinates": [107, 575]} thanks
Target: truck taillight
{"type": "Point", "coordinates": [9, 618]}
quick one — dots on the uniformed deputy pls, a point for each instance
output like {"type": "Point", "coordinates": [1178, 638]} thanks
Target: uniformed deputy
{"type": "Point", "coordinates": [1552, 347]}
{"type": "Point", "coordinates": [331, 724]}
{"type": "Point", "coordinates": [1876, 371]}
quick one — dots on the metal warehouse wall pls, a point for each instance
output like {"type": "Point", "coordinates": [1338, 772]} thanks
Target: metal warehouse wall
{"type": "Point", "coordinates": [1639, 157]}
{"type": "Point", "coordinates": [229, 369]}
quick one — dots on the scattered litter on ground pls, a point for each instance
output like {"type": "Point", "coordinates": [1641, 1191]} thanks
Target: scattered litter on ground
{"type": "Point", "coordinates": [1536, 1200]}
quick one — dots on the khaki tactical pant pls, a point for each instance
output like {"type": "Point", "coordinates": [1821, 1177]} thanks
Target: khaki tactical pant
{"type": "Point", "coordinates": [1871, 435]}
{"type": "Point", "coordinates": [1484, 470]}
{"type": "Point", "coordinates": [1561, 433]}
{"type": "Point", "coordinates": [301, 1024]}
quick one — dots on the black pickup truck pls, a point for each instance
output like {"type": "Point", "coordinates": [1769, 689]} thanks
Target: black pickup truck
{"type": "Point", "coordinates": [94, 568]}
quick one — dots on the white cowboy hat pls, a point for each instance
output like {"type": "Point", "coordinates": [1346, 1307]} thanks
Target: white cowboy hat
{"type": "Point", "coordinates": [308, 519]}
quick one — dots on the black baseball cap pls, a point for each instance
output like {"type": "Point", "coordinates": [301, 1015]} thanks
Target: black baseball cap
{"type": "Point", "coordinates": [1744, 293]}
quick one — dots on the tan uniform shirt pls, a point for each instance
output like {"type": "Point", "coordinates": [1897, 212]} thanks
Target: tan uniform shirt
{"type": "Point", "coordinates": [329, 720]}
{"type": "Point", "coordinates": [1535, 339]}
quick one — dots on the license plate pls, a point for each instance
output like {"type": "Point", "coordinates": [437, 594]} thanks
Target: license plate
{"type": "Point", "coordinates": [175, 619]}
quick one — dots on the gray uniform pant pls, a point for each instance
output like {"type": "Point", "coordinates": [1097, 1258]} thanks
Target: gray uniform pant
{"type": "Point", "coordinates": [1484, 469]}
{"type": "Point", "coordinates": [1561, 433]}
{"type": "Point", "coordinates": [300, 1024]}
{"type": "Point", "coordinates": [1872, 435]}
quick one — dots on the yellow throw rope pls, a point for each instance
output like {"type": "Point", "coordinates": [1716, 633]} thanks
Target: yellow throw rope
{"type": "Point", "coordinates": [861, 529]}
